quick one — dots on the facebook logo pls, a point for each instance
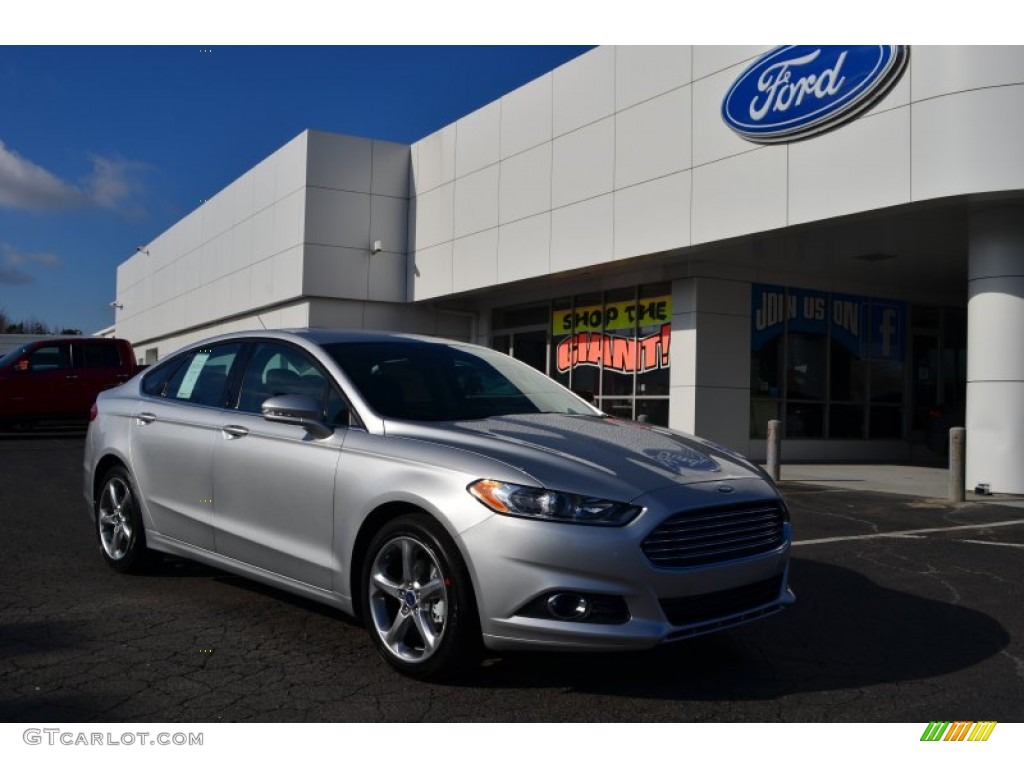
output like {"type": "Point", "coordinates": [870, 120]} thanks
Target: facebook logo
{"type": "Point", "coordinates": [888, 322]}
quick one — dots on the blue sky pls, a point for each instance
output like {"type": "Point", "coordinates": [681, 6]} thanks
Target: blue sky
{"type": "Point", "coordinates": [103, 148]}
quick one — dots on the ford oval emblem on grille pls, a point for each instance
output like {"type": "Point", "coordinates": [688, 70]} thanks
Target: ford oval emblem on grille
{"type": "Point", "coordinates": [799, 90]}
{"type": "Point", "coordinates": [725, 489]}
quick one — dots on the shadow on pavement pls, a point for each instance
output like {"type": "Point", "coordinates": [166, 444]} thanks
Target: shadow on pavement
{"type": "Point", "coordinates": [844, 632]}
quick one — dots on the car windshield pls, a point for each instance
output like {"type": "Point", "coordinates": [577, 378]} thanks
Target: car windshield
{"type": "Point", "coordinates": [439, 382]}
{"type": "Point", "coordinates": [11, 356]}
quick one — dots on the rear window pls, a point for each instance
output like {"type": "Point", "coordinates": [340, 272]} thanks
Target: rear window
{"type": "Point", "coordinates": [98, 356]}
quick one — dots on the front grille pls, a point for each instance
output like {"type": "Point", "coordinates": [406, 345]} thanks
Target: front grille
{"type": "Point", "coordinates": [715, 605]}
{"type": "Point", "coordinates": [716, 535]}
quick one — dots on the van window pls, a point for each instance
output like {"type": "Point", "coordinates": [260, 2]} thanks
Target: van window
{"type": "Point", "coordinates": [97, 356]}
{"type": "Point", "coordinates": [53, 357]}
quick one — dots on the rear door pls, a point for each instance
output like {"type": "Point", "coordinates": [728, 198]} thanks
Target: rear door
{"type": "Point", "coordinates": [172, 441]}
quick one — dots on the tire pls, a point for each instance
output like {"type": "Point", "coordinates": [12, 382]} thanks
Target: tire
{"type": "Point", "coordinates": [119, 529]}
{"type": "Point", "coordinates": [419, 606]}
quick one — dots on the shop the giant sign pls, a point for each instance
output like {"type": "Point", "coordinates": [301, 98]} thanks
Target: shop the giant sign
{"type": "Point", "coordinates": [799, 90]}
{"type": "Point", "coordinates": [604, 335]}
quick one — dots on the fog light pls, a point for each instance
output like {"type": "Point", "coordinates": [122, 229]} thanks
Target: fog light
{"type": "Point", "coordinates": [582, 607]}
{"type": "Point", "coordinates": [568, 606]}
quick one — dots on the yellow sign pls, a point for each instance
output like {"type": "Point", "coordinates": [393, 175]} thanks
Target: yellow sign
{"type": "Point", "coordinates": [613, 317]}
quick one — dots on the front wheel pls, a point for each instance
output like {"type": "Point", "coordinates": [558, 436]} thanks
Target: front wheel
{"type": "Point", "coordinates": [419, 609]}
{"type": "Point", "coordinates": [119, 523]}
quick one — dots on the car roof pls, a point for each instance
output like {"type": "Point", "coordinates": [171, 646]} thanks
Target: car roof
{"type": "Point", "coordinates": [320, 336]}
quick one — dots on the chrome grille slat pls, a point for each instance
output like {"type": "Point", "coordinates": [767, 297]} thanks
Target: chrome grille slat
{"type": "Point", "coordinates": [714, 535]}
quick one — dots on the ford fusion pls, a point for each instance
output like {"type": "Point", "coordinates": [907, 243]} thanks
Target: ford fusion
{"type": "Point", "coordinates": [449, 495]}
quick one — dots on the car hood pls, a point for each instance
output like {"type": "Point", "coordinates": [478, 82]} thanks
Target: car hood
{"type": "Point", "coordinates": [588, 455]}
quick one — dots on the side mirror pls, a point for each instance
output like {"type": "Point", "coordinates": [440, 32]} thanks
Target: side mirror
{"type": "Point", "coordinates": [300, 410]}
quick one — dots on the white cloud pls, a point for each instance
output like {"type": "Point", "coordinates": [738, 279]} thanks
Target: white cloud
{"type": "Point", "coordinates": [112, 185]}
{"type": "Point", "coordinates": [13, 264]}
{"type": "Point", "coordinates": [23, 184]}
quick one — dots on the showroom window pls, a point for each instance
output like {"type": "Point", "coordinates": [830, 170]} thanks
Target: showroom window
{"type": "Point", "coordinates": [827, 365]}
{"type": "Point", "coordinates": [610, 347]}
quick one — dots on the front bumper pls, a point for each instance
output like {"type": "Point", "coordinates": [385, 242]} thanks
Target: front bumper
{"type": "Point", "coordinates": [514, 561]}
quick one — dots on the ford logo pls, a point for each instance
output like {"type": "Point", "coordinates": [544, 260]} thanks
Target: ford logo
{"type": "Point", "coordinates": [799, 90]}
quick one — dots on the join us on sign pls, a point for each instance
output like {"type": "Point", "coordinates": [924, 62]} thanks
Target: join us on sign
{"type": "Point", "coordinates": [615, 316]}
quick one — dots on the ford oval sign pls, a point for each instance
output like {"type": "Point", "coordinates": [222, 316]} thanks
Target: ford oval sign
{"type": "Point", "coordinates": [799, 90]}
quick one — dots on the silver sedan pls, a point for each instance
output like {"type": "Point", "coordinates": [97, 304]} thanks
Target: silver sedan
{"type": "Point", "coordinates": [449, 495]}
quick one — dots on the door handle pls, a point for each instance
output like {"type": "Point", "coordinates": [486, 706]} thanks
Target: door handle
{"type": "Point", "coordinates": [146, 418]}
{"type": "Point", "coordinates": [71, 378]}
{"type": "Point", "coordinates": [234, 431]}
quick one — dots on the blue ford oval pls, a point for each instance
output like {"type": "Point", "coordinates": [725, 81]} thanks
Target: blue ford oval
{"type": "Point", "coordinates": [800, 90]}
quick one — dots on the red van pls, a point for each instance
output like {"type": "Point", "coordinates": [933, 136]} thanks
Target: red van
{"type": "Point", "coordinates": [58, 378]}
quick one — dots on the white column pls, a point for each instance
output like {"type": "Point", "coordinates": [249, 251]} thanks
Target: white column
{"type": "Point", "coordinates": [711, 360]}
{"type": "Point", "coordinates": [995, 350]}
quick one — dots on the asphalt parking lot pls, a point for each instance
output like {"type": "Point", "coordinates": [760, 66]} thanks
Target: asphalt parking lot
{"type": "Point", "coordinates": [909, 610]}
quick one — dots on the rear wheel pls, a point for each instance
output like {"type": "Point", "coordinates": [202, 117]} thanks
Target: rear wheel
{"type": "Point", "coordinates": [119, 523]}
{"type": "Point", "coordinates": [419, 606]}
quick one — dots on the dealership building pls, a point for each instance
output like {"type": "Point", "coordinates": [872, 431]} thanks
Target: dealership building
{"type": "Point", "coordinates": [705, 237]}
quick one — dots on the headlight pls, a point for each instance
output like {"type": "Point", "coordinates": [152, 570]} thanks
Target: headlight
{"type": "Point", "coordinates": [544, 504]}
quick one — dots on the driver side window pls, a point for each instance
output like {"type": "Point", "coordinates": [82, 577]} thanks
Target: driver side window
{"type": "Point", "coordinates": [280, 369]}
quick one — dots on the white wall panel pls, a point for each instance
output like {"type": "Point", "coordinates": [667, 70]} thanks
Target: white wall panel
{"type": "Point", "coordinates": [239, 291]}
{"type": "Point", "coordinates": [434, 217]}
{"type": "Point", "coordinates": [389, 217]}
{"type": "Point", "coordinates": [338, 272]}
{"type": "Point", "coordinates": [435, 160]}
{"type": "Point", "coordinates": [525, 184]}
{"type": "Point", "coordinates": [241, 245]}
{"type": "Point", "coordinates": [263, 234]}
{"type": "Point", "coordinates": [290, 166]}
{"type": "Point", "coordinates": [712, 138]}
{"type": "Point", "coordinates": [645, 71]}
{"type": "Point", "coordinates": [287, 271]}
{"type": "Point", "coordinates": [740, 195]}
{"type": "Point", "coordinates": [339, 162]}
{"type": "Point", "coordinates": [289, 220]}
{"type": "Point", "coordinates": [391, 169]}
{"type": "Point", "coordinates": [652, 217]}
{"type": "Point", "coordinates": [581, 234]}
{"type": "Point", "coordinates": [524, 248]}
{"type": "Point", "coordinates": [968, 142]}
{"type": "Point", "coordinates": [388, 277]}
{"type": "Point", "coordinates": [709, 59]}
{"type": "Point", "coordinates": [584, 90]}
{"type": "Point", "coordinates": [216, 216]}
{"type": "Point", "coordinates": [264, 191]}
{"type": "Point", "coordinates": [241, 197]}
{"type": "Point", "coordinates": [476, 139]}
{"type": "Point", "coordinates": [937, 70]}
{"type": "Point", "coordinates": [475, 261]}
{"type": "Point", "coordinates": [653, 138]}
{"type": "Point", "coordinates": [583, 163]}
{"type": "Point", "coordinates": [262, 282]}
{"type": "Point", "coordinates": [476, 202]}
{"type": "Point", "coordinates": [337, 218]}
{"type": "Point", "coordinates": [860, 166]}
{"type": "Point", "coordinates": [431, 272]}
{"type": "Point", "coordinates": [526, 116]}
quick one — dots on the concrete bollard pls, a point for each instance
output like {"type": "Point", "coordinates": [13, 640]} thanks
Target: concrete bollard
{"type": "Point", "coordinates": [774, 449]}
{"type": "Point", "coordinates": [957, 463]}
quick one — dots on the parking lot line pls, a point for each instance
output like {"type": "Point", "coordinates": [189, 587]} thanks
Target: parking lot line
{"type": "Point", "coordinates": [908, 534]}
{"type": "Point", "coordinates": [993, 543]}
